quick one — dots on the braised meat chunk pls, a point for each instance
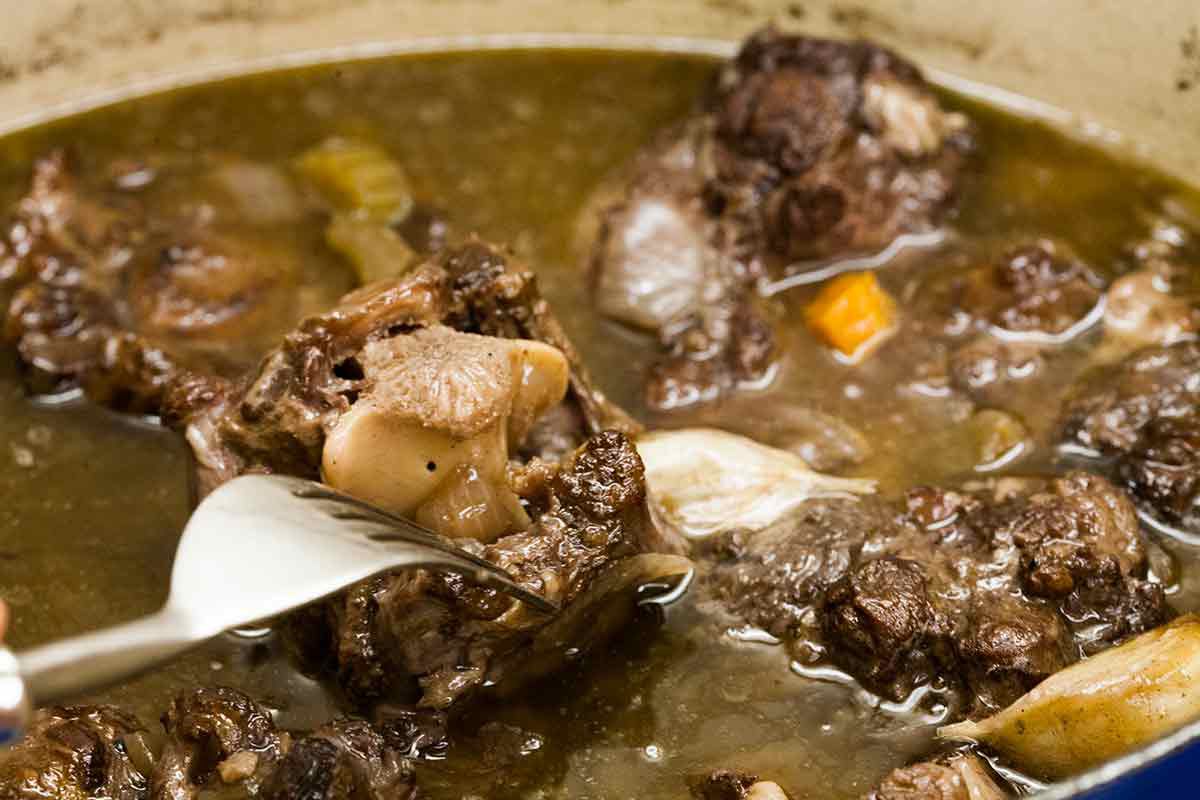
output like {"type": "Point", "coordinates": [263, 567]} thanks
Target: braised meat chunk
{"type": "Point", "coordinates": [213, 734]}
{"type": "Point", "coordinates": [806, 149]}
{"type": "Point", "coordinates": [981, 594]}
{"type": "Point", "coordinates": [1033, 290]}
{"type": "Point", "coordinates": [590, 544]}
{"type": "Point", "coordinates": [727, 784]}
{"type": "Point", "coordinates": [958, 777]}
{"type": "Point", "coordinates": [450, 365]}
{"type": "Point", "coordinates": [74, 753]}
{"type": "Point", "coordinates": [327, 378]}
{"type": "Point", "coordinates": [824, 148]}
{"type": "Point", "coordinates": [1142, 415]}
{"type": "Point", "coordinates": [116, 295]}
{"type": "Point", "coordinates": [343, 760]}
{"type": "Point", "coordinates": [996, 327]}
{"type": "Point", "coordinates": [220, 737]}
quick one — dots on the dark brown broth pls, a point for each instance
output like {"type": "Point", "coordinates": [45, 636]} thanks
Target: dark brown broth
{"type": "Point", "coordinates": [513, 144]}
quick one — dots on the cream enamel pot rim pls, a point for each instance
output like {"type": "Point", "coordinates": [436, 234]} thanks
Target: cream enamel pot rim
{"type": "Point", "coordinates": [1127, 75]}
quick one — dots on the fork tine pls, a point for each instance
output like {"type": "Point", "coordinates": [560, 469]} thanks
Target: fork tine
{"type": "Point", "coordinates": [400, 530]}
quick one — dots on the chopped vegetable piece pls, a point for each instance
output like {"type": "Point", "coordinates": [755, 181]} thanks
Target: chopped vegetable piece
{"type": "Point", "coordinates": [851, 313]}
{"type": "Point", "coordinates": [373, 249]}
{"type": "Point", "coordinates": [1099, 708]}
{"type": "Point", "coordinates": [703, 481]}
{"type": "Point", "coordinates": [356, 176]}
{"type": "Point", "coordinates": [998, 435]}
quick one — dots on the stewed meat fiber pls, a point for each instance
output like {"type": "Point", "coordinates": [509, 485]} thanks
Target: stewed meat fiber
{"type": "Point", "coordinates": [977, 594]}
{"type": "Point", "coordinates": [804, 149]}
{"type": "Point", "coordinates": [166, 263]}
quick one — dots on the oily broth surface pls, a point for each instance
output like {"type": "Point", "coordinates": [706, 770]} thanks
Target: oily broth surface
{"type": "Point", "coordinates": [513, 144]}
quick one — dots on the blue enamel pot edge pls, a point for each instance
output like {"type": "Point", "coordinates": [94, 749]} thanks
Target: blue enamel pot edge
{"type": "Point", "coordinates": [1169, 768]}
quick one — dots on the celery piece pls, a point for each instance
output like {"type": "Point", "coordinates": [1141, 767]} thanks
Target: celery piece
{"type": "Point", "coordinates": [356, 176]}
{"type": "Point", "coordinates": [373, 249]}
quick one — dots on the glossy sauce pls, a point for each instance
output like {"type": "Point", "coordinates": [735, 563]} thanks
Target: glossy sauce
{"type": "Point", "coordinates": [513, 145]}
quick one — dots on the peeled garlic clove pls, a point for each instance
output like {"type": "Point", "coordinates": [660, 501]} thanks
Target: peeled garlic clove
{"type": "Point", "coordinates": [1099, 708]}
{"type": "Point", "coordinates": [765, 790]}
{"type": "Point", "coordinates": [703, 481]}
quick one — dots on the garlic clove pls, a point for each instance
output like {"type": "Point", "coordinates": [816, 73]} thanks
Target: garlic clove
{"type": "Point", "coordinates": [703, 481]}
{"type": "Point", "coordinates": [1101, 707]}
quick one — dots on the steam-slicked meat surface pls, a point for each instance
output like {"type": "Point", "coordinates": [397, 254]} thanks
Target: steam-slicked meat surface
{"type": "Point", "coordinates": [279, 420]}
{"type": "Point", "coordinates": [1033, 289]}
{"type": "Point", "coordinates": [721, 784]}
{"type": "Point", "coordinates": [205, 729]}
{"type": "Point", "coordinates": [981, 593]}
{"type": "Point", "coordinates": [218, 740]}
{"type": "Point", "coordinates": [343, 760]}
{"type": "Point", "coordinates": [995, 328]}
{"type": "Point", "coordinates": [74, 753]}
{"type": "Point", "coordinates": [461, 315]}
{"type": "Point", "coordinates": [1142, 414]}
{"type": "Point", "coordinates": [220, 737]}
{"type": "Point", "coordinates": [958, 777]}
{"type": "Point", "coordinates": [806, 149]}
{"type": "Point", "coordinates": [118, 298]}
{"type": "Point", "coordinates": [451, 638]}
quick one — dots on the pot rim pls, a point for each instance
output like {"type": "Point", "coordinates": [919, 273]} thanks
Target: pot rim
{"type": "Point", "coordinates": [1125, 769]}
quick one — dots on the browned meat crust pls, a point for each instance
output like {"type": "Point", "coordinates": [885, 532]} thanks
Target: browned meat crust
{"type": "Point", "coordinates": [1034, 288]}
{"type": "Point", "coordinates": [219, 736]}
{"type": "Point", "coordinates": [74, 753]}
{"type": "Point", "coordinates": [1143, 416]}
{"type": "Point", "coordinates": [205, 728]}
{"type": "Point", "coordinates": [721, 784]}
{"type": "Point", "coordinates": [980, 595]}
{"type": "Point", "coordinates": [590, 513]}
{"type": "Point", "coordinates": [278, 420]}
{"type": "Point", "coordinates": [119, 301]}
{"type": "Point", "coordinates": [996, 325]}
{"type": "Point", "coordinates": [960, 776]}
{"type": "Point", "coordinates": [806, 149]}
{"type": "Point", "coordinates": [452, 637]}
{"type": "Point", "coordinates": [217, 739]}
{"type": "Point", "coordinates": [344, 760]}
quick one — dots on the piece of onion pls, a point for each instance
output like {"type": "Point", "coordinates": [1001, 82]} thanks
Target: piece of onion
{"type": "Point", "coordinates": [374, 250]}
{"type": "Point", "coordinates": [704, 481]}
{"type": "Point", "coordinates": [766, 790]}
{"type": "Point", "coordinates": [358, 176]}
{"type": "Point", "coordinates": [1101, 707]}
{"type": "Point", "coordinates": [263, 194]}
{"type": "Point", "coordinates": [653, 264]}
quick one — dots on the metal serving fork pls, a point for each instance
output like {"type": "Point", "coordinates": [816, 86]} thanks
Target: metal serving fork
{"type": "Point", "coordinates": [256, 547]}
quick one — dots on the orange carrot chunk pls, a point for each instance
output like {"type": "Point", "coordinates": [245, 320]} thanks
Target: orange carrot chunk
{"type": "Point", "coordinates": [851, 312]}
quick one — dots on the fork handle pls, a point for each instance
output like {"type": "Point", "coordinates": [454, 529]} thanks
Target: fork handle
{"type": "Point", "coordinates": [14, 700]}
{"type": "Point", "coordinates": [68, 668]}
